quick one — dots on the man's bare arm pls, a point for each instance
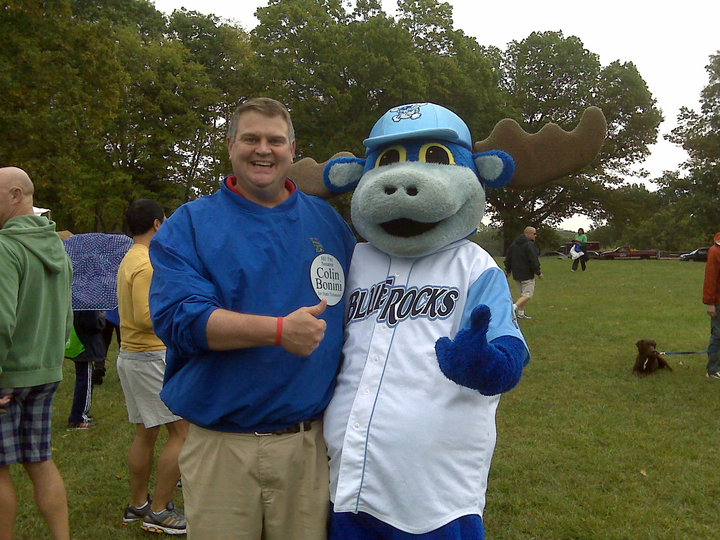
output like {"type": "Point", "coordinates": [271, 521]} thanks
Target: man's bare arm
{"type": "Point", "coordinates": [302, 330]}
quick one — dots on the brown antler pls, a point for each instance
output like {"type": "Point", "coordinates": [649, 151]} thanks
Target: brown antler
{"type": "Point", "coordinates": [550, 153]}
{"type": "Point", "coordinates": [308, 175]}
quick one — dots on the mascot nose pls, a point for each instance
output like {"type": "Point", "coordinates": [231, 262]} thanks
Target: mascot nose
{"type": "Point", "coordinates": [410, 190]}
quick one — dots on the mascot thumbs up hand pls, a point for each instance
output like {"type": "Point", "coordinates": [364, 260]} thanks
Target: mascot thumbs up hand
{"type": "Point", "coordinates": [470, 361]}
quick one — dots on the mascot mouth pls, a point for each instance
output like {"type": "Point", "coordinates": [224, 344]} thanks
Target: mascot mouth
{"type": "Point", "coordinates": [406, 228]}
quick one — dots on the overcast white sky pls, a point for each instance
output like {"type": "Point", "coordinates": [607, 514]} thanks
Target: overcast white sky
{"type": "Point", "coordinates": [670, 43]}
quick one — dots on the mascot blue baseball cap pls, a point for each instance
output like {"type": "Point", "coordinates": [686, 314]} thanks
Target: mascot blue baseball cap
{"type": "Point", "coordinates": [419, 121]}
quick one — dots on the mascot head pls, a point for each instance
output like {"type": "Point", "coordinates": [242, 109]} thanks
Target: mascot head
{"type": "Point", "coordinates": [422, 183]}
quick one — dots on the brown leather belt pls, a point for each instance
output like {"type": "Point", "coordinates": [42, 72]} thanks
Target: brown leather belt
{"type": "Point", "coordinates": [297, 428]}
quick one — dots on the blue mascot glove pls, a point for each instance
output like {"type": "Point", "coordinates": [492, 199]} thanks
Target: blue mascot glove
{"type": "Point", "coordinates": [470, 361]}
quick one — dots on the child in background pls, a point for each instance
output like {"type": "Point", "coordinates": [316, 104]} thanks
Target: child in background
{"type": "Point", "coordinates": [88, 326]}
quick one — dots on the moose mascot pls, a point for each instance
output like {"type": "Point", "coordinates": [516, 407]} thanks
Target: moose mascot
{"type": "Point", "coordinates": [430, 340]}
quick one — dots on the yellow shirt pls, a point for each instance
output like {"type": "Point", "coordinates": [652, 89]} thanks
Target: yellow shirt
{"type": "Point", "coordinates": [134, 277]}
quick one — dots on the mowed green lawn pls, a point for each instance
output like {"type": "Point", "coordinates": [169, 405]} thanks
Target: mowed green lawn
{"type": "Point", "coordinates": [585, 449]}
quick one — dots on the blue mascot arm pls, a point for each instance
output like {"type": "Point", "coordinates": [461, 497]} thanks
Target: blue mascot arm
{"type": "Point", "coordinates": [470, 361]}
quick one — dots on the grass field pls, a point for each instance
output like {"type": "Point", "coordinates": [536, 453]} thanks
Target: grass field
{"type": "Point", "coordinates": [585, 449]}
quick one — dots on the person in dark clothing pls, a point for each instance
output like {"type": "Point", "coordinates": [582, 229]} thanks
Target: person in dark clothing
{"type": "Point", "coordinates": [89, 326]}
{"type": "Point", "coordinates": [522, 261]}
{"type": "Point", "coordinates": [112, 327]}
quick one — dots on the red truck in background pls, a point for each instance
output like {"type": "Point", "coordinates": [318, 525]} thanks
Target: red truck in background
{"type": "Point", "coordinates": [626, 252]}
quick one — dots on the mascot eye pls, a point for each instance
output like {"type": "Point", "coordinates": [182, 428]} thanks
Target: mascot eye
{"type": "Point", "coordinates": [394, 154]}
{"type": "Point", "coordinates": [436, 153]}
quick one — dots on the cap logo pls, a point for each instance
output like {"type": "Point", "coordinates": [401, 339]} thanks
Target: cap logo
{"type": "Point", "coordinates": [407, 112]}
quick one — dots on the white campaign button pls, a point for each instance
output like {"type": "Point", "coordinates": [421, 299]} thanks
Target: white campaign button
{"type": "Point", "coordinates": [328, 278]}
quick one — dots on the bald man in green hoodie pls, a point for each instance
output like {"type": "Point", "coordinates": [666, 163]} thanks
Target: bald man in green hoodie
{"type": "Point", "coordinates": [35, 319]}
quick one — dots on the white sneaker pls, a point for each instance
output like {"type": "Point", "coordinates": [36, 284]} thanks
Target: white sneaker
{"type": "Point", "coordinates": [521, 315]}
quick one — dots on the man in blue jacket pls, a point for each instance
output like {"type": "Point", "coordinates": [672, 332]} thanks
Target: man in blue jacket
{"type": "Point", "coordinates": [247, 295]}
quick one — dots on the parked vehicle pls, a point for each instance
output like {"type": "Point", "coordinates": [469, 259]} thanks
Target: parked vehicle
{"type": "Point", "coordinates": [627, 253]}
{"type": "Point", "coordinates": [699, 254]}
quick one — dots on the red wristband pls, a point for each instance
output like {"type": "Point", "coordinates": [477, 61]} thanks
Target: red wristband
{"type": "Point", "coordinates": [278, 332]}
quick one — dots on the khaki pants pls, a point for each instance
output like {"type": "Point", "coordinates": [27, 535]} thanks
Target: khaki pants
{"type": "Point", "coordinates": [250, 487]}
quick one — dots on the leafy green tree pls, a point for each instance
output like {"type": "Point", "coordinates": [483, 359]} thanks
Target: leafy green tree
{"type": "Point", "coordinates": [140, 14]}
{"type": "Point", "coordinates": [430, 24]}
{"type": "Point", "coordinates": [164, 141]}
{"type": "Point", "coordinates": [332, 69]}
{"type": "Point", "coordinates": [161, 110]}
{"type": "Point", "coordinates": [336, 71]}
{"type": "Point", "coordinates": [102, 106]}
{"type": "Point", "coordinates": [552, 78]}
{"type": "Point", "coordinates": [366, 9]}
{"type": "Point", "coordinates": [339, 71]}
{"type": "Point", "coordinates": [625, 208]}
{"type": "Point", "coordinates": [60, 78]}
{"type": "Point", "coordinates": [458, 71]}
{"type": "Point", "coordinates": [695, 195]}
{"type": "Point", "coordinates": [108, 101]}
{"type": "Point", "coordinates": [647, 219]}
{"type": "Point", "coordinates": [227, 59]}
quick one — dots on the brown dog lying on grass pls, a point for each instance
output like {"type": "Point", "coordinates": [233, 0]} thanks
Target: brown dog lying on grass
{"type": "Point", "coordinates": [648, 360]}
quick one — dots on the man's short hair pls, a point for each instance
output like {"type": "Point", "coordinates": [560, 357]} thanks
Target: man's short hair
{"type": "Point", "coordinates": [262, 105]}
{"type": "Point", "coordinates": [141, 215]}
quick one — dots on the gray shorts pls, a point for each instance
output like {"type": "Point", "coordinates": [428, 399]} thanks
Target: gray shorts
{"type": "Point", "coordinates": [141, 376]}
{"type": "Point", "coordinates": [527, 287]}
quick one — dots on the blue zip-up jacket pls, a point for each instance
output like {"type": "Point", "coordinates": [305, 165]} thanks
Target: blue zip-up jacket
{"type": "Point", "coordinates": [224, 251]}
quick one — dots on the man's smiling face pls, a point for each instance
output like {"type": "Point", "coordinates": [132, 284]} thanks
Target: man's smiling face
{"type": "Point", "coordinates": [261, 155]}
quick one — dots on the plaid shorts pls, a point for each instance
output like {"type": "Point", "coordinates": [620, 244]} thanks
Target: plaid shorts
{"type": "Point", "coordinates": [25, 428]}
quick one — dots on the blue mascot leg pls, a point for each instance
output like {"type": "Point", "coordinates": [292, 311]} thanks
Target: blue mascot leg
{"type": "Point", "coordinates": [349, 526]}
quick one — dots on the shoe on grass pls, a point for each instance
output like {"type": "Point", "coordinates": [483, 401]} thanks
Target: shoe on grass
{"type": "Point", "coordinates": [136, 513]}
{"type": "Point", "coordinates": [715, 375]}
{"type": "Point", "coordinates": [523, 316]}
{"type": "Point", "coordinates": [169, 521]}
{"type": "Point", "coordinates": [85, 424]}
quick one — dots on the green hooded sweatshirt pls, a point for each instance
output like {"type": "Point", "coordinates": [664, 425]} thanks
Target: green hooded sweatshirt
{"type": "Point", "coordinates": [35, 302]}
